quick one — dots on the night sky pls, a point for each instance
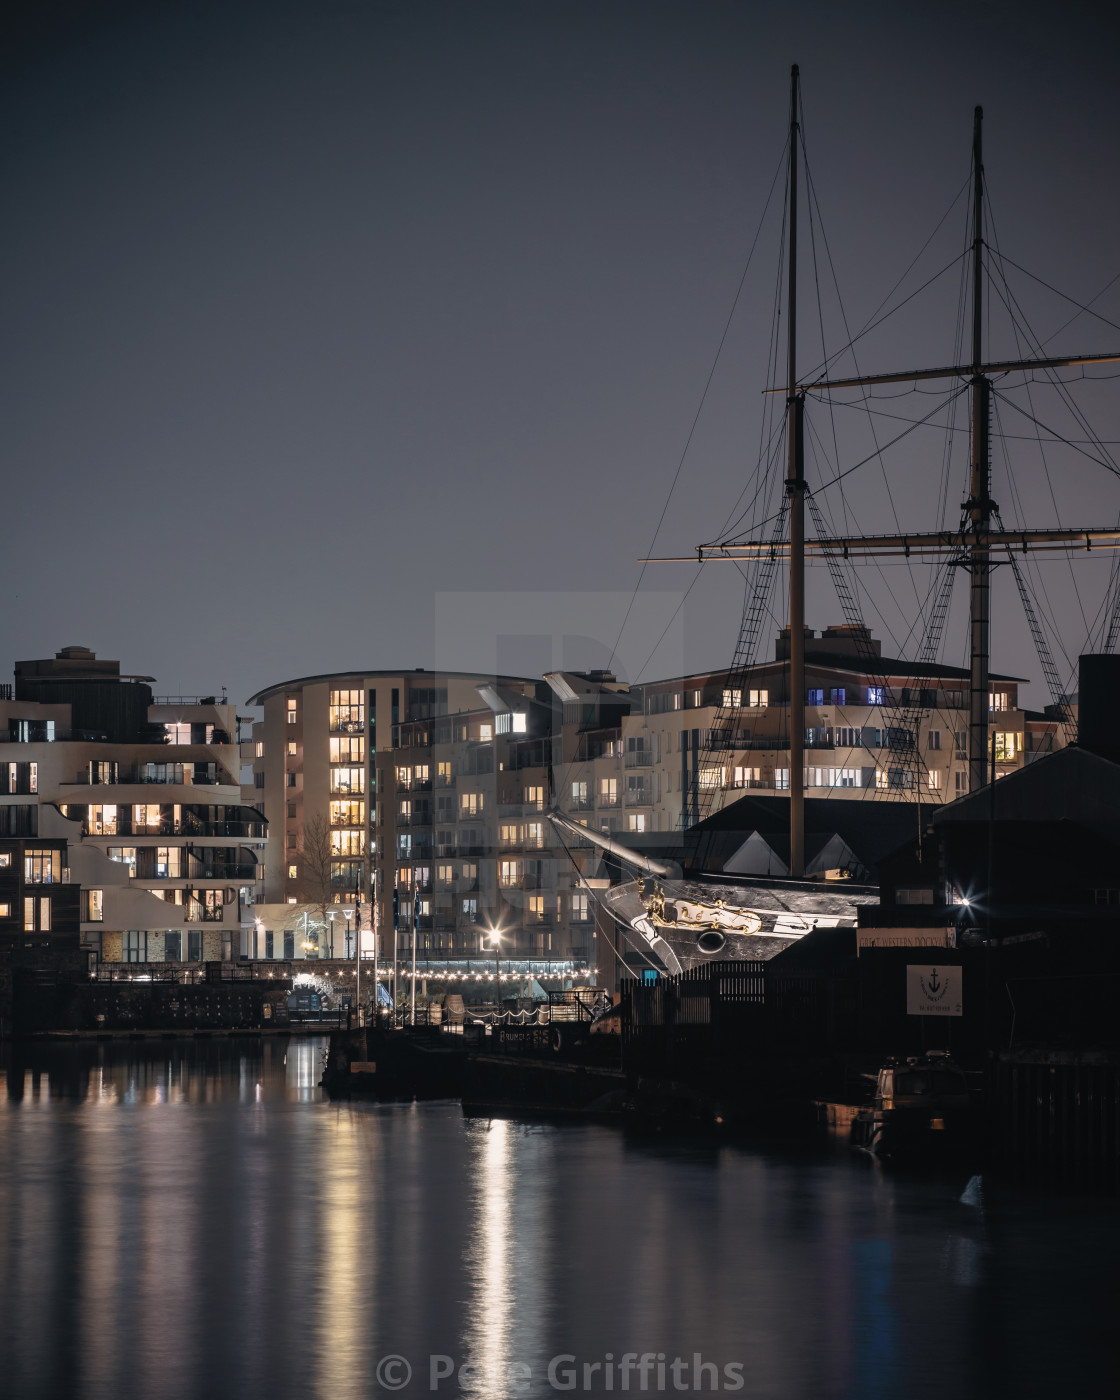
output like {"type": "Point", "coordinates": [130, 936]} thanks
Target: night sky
{"type": "Point", "coordinates": [371, 335]}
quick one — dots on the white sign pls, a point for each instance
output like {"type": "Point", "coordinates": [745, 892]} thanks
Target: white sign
{"type": "Point", "coordinates": [933, 990]}
{"type": "Point", "coordinates": [905, 938]}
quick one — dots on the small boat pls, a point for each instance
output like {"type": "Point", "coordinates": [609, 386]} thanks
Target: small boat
{"type": "Point", "coordinates": [922, 1107]}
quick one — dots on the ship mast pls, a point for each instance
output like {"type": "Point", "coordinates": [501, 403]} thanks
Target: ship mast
{"type": "Point", "coordinates": [971, 546]}
{"type": "Point", "coordinates": [795, 490]}
{"type": "Point", "coordinates": [979, 506]}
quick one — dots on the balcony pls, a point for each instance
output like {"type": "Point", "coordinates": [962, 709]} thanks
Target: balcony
{"type": "Point", "coordinates": [124, 826]}
{"type": "Point", "coordinates": [639, 758]}
{"type": "Point", "coordinates": [201, 870]}
{"type": "Point", "coordinates": [639, 797]}
{"type": "Point", "coordinates": [169, 774]}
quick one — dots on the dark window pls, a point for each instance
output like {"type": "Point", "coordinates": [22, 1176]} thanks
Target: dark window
{"type": "Point", "coordinates": [194, 945]}
{"type": "Point", "coordinates": [269, 951]}
{"type": "Point", "coordinates": [135, 946]}
{"type": "Point", "coordinates": [289, 945]}
{"type": "Point", "coordinates": [173, 945]}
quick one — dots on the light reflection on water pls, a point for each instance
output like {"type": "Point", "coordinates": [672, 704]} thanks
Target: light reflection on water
{"type": "Point", "coordinates": [197, 1220]}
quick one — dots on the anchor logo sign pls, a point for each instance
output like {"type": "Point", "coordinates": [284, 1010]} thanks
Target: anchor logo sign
{"type": "Point", "coordinates": [933, 991]}
{"type": "Point", "coordinates": [934, 986]}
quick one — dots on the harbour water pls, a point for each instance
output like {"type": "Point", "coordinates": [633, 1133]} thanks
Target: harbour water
{"type": "Point", "coordinates": [196, 1219]}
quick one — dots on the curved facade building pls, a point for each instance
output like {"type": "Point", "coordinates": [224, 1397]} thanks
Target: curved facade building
{"type": "Point", "coordinates": [424, 792]}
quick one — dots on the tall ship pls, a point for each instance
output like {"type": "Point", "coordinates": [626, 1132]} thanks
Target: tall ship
{"type": "Point", "coordinates": [675, 914]}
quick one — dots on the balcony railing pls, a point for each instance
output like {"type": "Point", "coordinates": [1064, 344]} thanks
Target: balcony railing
{"type": "Point", "coordinates": [189, 699]}
{"type": "Point", "coordinates": [639, 758]}
{"type": "Point", "coordinates": [180, 775]}
{"type": "Point", "coordinates": [124, 826]}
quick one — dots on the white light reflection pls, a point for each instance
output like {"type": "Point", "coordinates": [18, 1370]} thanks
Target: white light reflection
{"type": "Point", "coordinates": [487, 1343]}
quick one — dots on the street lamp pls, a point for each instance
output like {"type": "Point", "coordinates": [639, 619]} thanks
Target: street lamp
{"type": "Point", "coordinates": [331, 926]}
{"type": "Point", "coordinates": [347, 912]}
{"type": "Point", "coordinates": [496, 943]}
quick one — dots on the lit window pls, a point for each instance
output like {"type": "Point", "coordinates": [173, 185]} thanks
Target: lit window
{"type": "Point", "coordinates": [445, 874]}
{"type": "Point", "coordinates": [759, 699]}
{"type": "Point", "coordinates": [485, 732]}
{"type": "Point", "coordinates": [470, 910]}
{"type": "Point", "coordinates": [875, 694]}
{"type": "Point", "coordinates": [933, 779]}
{"type": "Point", "coordinates": [293, 710]}
{"type": "Point", "coordinates": [471, 803]}
{"type": "Point", "coordinates": [581, 799]}
{"type": "Point", "coordinates": [95, 907]}
{"type": "Point", "coordinates": [293, 872]}
{"type": "Point", "coordinates": [293, 748]}
{"type": "Point", "coordinates": [536, 906]}
{"type": "Point", "coordinates": [1008, 745]}
{"type": "Point", "coordinates": [997, 700]}
{"type": "Point", "coordinates": [579, 908]}
{"type": "Point", "coordinates": [732, 700]}
{"type": "Point", "coordinates": [260, 748]}
{"type": "Point", "coordinates": [42, 867]}
{"type": "Point", "coordinates": [816, 697]}
{"type": "Point", "coordinates": [5, 859]}
{"type": "Point", "coordinates": [636, 821]}
{"type": "Point", "coordinates": [169, 862]}
{"type": "Point", "coordinates": [346, 710]}
{"type": "Point", "coordinates": [746, 777]}
{"type": "Point", "coordinates": [348, 780]}
{"type": "Point", "coordinates": [101, 820]}
{"type": "Point", "coordinates": [5, 909]}
{"type": "Point", "coordinates": [608, 792]}
{"type": "Point", "coordinates": [534, 797]}
{"type": "Point", "coordinates": [343, 813]}
{"type": "Point", "coordinates": [508, 873]}
{"type": "Point", "coordinates": [781, 779]}
{"type": "Point", "coordinates": [347, 843]}
{"type": "Point", "coordinates": [348, 749]}
{"type": "Point", "coordinates": [520, 724]}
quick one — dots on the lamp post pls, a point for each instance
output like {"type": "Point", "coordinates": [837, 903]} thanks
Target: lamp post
{"type": "Point", "coordinates": [331, 940]}
{"type": "Point", "coordinates": [346, 947]}
{"type": "Point", "coordinates": [496, 941]}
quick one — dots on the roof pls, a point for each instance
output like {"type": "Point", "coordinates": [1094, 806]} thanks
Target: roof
{"type": "Point", "coordinates": [1072, 782]}
{"type": "Point", "coordinates": [871, 827]}
{"type": "Point", "coordinates": [417, 671]}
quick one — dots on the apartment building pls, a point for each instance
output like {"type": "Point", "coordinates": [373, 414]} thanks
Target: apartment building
{"type": "Point", "coordinates": [132, 797]}
{"type": "Point", "coordinates": [643, 758]}
{"type": "Point", "coordinates": [424, 792]}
